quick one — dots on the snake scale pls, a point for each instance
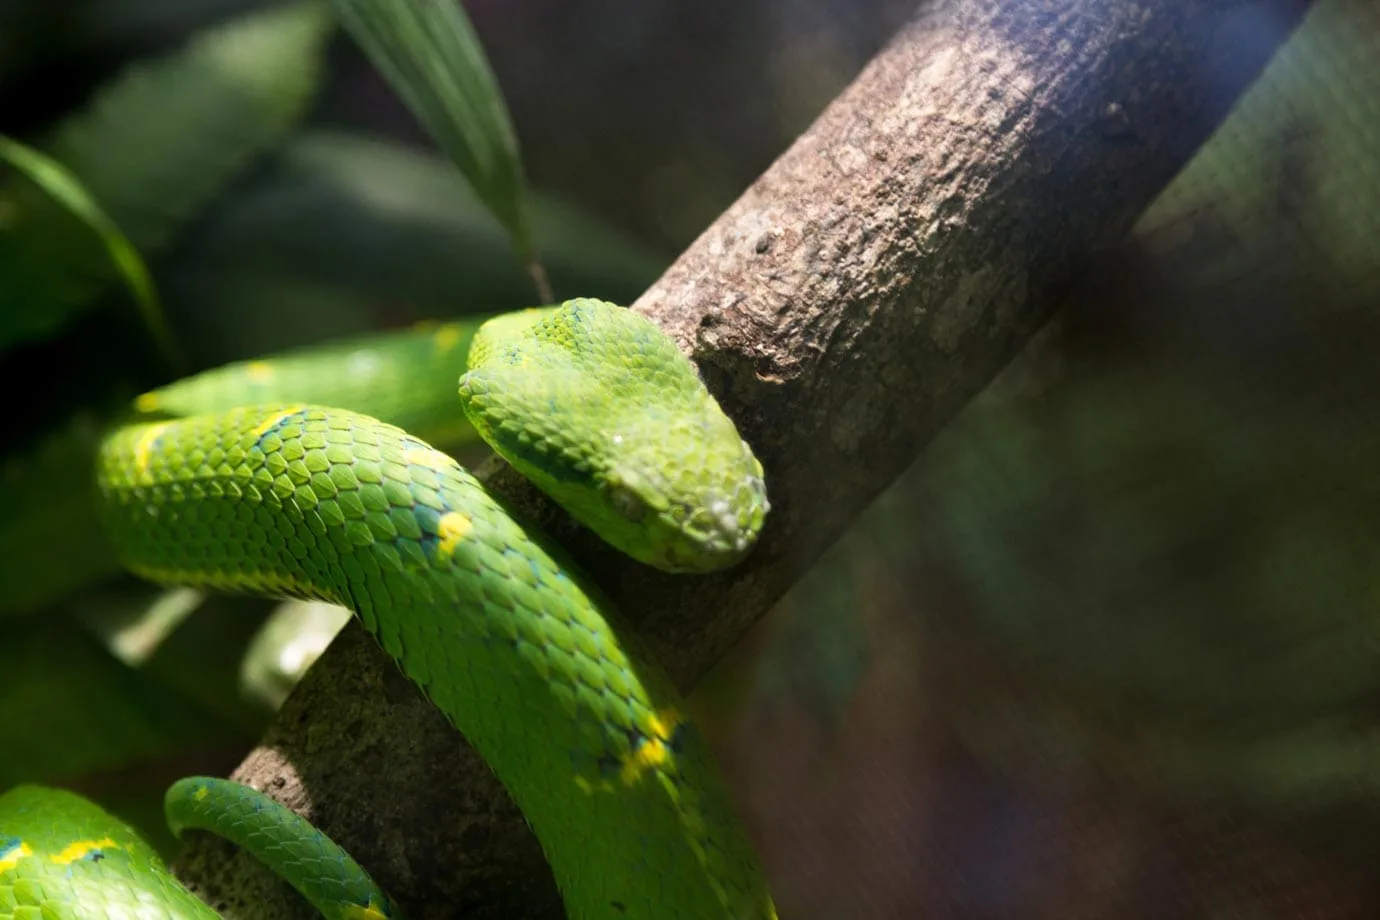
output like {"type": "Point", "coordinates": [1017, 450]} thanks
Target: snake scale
{"type": "Point", "coordinates": [505, 636]}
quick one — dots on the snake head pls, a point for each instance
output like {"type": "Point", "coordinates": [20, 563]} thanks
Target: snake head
{"type": "Point", "coordinates": [602, 412]}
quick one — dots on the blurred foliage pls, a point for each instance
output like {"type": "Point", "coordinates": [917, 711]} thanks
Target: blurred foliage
{"type": "Point", "coordinates": [340, 232]}
{"type": "Point", "coordinates": [1167, 508]}
{"type": "Point", "coordinates": [1136, 577]}
{"type": "Point", "coordinates": [206, 110]}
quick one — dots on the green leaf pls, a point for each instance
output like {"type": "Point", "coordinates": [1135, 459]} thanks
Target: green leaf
{"type": "Point", "coordinates": [429, 54]}
{"type": "Point", "coordinates": [153, 149]}
{"type": "Point", "coordinates": [81, 710]}
{"type": "Point", "coordinates": [67, 190]}
{"type": "Point", "coordinates": [338, 232]}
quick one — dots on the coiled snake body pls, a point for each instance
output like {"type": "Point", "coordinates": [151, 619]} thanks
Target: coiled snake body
{"type": "Point", "coordinates": [603, 412]}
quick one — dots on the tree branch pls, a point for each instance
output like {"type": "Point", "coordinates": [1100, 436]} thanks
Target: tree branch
{"type": "Point", "coordinates": [872, 281]}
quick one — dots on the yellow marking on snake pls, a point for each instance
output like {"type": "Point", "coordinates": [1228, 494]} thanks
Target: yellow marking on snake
{"type": "Point", "coordinates": [143, 449]}
{"type": "Point", "coordinates": [431, 459]}
{"type": "Point", "coordinates": [654, 751]}
{"type": "Point", "coordinates": [11, 857]}
{"type": "Point", "coordinates": [79, 848]}
{"type": "Point", "coordinates": [452, 528]}
{"type": "Point", "coordinates": [364, 912]}
{"type": "Point", "coordinates": [445, 338]}
{"type": "Point", "coordinates": [148, 402]}
{"type": "Point", "coordinates": [275, 418]}
{"type": "Point", "coordinates": [200, 794]}
{"type": "Point", "coordinates": [665, 723]}
{"type": "Point", "coordinates": [259, 371]}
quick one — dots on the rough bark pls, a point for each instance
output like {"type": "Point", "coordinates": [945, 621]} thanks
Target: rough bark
{"type": "Point", "coordinates": [873, 280]}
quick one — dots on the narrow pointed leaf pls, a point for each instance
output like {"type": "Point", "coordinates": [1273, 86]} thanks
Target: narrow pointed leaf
{"type": "Point", "coordinates": [428, 52]}
{"type": "Point", "coordinates": [67, 190]}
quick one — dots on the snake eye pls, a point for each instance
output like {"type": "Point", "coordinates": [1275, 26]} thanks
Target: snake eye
{"type": "Point", "coordinates": [627, 503]}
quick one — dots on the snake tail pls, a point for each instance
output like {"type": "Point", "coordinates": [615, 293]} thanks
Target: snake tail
{"type": "Point", "coordinates": [302, 855]}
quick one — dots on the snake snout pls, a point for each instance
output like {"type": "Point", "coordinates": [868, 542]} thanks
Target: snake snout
{"type": "Point", "coordinates": [718, 529]}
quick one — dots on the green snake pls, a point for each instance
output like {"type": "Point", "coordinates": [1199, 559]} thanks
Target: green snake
{"type": "Point", "coordinates": [598, 408]}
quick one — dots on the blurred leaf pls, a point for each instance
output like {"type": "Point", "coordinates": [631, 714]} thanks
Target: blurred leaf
{"type": "Point", "coordinates": [133, 632]}
{"type": "Point", "coordinates": [50, 537]}
{"type": "Point", "coordinates": [142, 23]}
{"type": "Point", "coordinates": [286, 646]}
{"type": "Point", "coordinates": [1295, 149]}
{"type": "Point", "coordinates": [67, 190]}
{"type": "Point", "coordinates": [70, 708]}
{"type": "Point", "coordinates": [153, 149]}
{"type": "Point", "coordinates": [340, 234]}
{"type": "Point", "coordinates": [189, 644]}
{"type": "Point", "coordinates": [431, 57]}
